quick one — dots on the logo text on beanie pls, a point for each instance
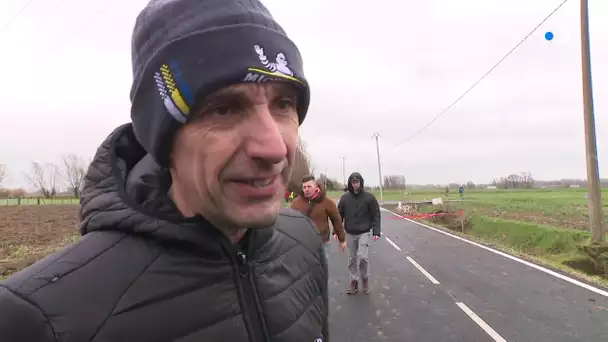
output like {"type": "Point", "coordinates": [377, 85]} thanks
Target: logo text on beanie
{"type": "Point", "coordinates": [273, 71]}
{"type": "Point", "coordinates": [279, 66]}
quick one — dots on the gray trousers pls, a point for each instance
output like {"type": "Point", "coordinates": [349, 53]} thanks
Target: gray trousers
{"type": "Point", "coordinates": [326, 249]}
{"type": "Point", "coordinates": [358, 255]}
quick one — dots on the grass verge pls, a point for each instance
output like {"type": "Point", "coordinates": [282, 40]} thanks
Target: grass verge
{"type": "Point", "coordinates": [18, 257]}
{"type": "Point", "coordinates": [553, 247]}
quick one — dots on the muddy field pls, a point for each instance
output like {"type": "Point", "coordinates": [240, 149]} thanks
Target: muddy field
{"type": "Point", "coordinates": [30, 232]}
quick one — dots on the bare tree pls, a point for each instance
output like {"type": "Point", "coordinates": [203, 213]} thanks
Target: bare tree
{"type": "Point", "coordinates": [44, 178]}
{"type": "Point", "coordinates": [394, 182]}
{"type": "Point", "coordinates": [514, 181]}
{"type": "Point", "coordinates": [74, 170]}
{"type": "Point", "coordinates": [2, 172]}
{"type": "Point", "coordinates": [527, 180]}
{"type": "Point", "coordinates": [301, 167]}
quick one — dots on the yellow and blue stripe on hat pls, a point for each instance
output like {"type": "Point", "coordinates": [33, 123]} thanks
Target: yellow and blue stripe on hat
{"type": "Point", "coordinates": [176, 94]}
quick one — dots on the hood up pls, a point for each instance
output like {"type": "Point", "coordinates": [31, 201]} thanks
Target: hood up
{"type": "Point", "coordinates": [352, 176]}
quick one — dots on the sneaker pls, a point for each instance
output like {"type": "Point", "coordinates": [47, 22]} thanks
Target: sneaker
{"type": "Point", "coordinates": [365, 284]}
{"type": "Point", "coordinates": [353, 288]}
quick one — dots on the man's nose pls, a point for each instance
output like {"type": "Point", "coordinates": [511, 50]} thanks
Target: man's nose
{"type": "Point", "coordinates": [265, 137]}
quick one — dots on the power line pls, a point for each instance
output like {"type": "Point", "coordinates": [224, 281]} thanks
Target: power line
{"type": "Point", "coordinates": [78, 32]}
{"type": "Point", "coordinates": [74, 33]}
{"type": "Point", "coordinates": [481, 78]}
{"type": "Point", "coordinates": [466, 92]}
{"type": "Point", "coordinates": [91, 20]}
{"type": "Point", "coordinates": [376, 136]}
{"type": "Point", "coordinates": [16, 15]}
{"type": "Point", "coordinates": [370, 154]}
{"type": "Point", "coordinates": [39, 24]}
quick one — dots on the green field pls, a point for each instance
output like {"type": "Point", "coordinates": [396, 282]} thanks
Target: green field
{"type": "Point", "coordinates": [548, 226]}
{"type": "Point", "coordinates": [565, 208]}
{"type": "Point", "coordinates": [36, 201]}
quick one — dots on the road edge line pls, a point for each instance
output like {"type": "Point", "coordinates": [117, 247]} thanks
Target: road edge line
{"type": "Point", "coordinates": [480, 322]}
{"type": "Point", "coordinates": [511, 257]}
{"type": "Point", "coordinates": [423, 271]}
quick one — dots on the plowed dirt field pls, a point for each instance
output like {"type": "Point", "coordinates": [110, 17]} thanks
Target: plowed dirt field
{"type": "Point", "coordinates": [30, 232]}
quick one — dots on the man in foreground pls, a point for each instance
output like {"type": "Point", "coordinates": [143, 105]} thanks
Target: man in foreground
{"type": "Point", "coordinates": [314, 204]}
{"type": "Point", "coordinates": [184, 236]}
{"type": "Point", "coordinates": [361, 214]}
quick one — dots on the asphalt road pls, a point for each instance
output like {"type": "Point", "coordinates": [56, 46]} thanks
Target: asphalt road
{"type": "Point", "coordinates": [427, 286]}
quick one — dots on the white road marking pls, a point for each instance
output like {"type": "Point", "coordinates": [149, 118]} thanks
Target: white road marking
{"type": "Point", "coordinates": [423, 271]}
{"type": "Point", "coordinates": [483, 325]}
{"type": "Point", "coordinates": [511, 257]}
{"type": "Point", "coordinates": [392, 243]}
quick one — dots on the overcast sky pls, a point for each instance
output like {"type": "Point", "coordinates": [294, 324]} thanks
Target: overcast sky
{"type": "Point", "coordinates": [386, 66]}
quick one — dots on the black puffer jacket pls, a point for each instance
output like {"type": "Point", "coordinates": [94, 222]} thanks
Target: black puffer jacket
{"type": "Point", "coordinates": [360, 211]}
{"type": "Point", "coordinates": [141, 273]}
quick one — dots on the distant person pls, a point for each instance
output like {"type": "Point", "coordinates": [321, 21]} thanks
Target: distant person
{"type": "Point", "coordinates": [321, 209]}
{"type": "Point", "coordinates": [447, 191]}
{"type": "Point", "coordinates": [184, 235]}
{"type": "Point", "coordinates": [287, 196]}
{"type": "Point", "coordinates": [461, 191]}
{"type": "Point", "coordinates": [361, 213]}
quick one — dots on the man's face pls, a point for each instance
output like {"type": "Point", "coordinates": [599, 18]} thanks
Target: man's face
{"type": "Point", "coordinates": [356, 185]}
{"type": "Point", "coordinates": [309, 188]}
{"type": "Point", "coordinates": [233, 159]}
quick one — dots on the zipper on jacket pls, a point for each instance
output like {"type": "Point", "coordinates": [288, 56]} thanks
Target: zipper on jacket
{"type": "Point", "coordinates": [250, 307]}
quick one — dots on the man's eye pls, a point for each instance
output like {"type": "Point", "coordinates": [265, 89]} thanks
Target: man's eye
{"type": "Point", "coordinates": [285, 103]}
{"type": "Point", "coordinates": [221, 110]}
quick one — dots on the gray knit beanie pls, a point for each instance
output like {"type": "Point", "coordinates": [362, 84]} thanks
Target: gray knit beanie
{"type": "Point", "coordinates": [184, 50]}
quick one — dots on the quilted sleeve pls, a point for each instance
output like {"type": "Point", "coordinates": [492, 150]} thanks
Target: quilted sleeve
{"type": "Point", "coordinates": [21, 320]}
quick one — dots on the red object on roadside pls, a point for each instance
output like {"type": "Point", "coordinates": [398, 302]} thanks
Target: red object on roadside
{"type": "Point", "coordinates": [429, 215]}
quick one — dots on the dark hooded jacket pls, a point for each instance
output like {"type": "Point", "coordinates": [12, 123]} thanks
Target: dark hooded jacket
{"type": "Point", "coordinates": [142, 272]}
{"type": "Point", "coordinates": [360, 211]}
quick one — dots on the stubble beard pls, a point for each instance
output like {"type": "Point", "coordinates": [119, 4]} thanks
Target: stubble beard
{"type": "Point", "coordinates": [269, 217]}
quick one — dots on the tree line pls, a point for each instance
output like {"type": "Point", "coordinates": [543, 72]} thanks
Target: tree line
{"type": "Point", "coordinates": [523, 180]}
{"type": "Point", "coordinates": [48, 179]}
{"type": "Point", "coordinates": [51, 179]}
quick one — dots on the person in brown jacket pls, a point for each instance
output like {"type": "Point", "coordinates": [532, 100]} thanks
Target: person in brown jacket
{"type": "Point", "coordinates": [314, 204]}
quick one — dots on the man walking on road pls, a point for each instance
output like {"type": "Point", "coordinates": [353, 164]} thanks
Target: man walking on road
{"type": "Point", "coordinates": [314, 204]}
{"type": "Point", "coordinates": [184, 235]}
{"type": "Point", "coordinates": [361, 214]}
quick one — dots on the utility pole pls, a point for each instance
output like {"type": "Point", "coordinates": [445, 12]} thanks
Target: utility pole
{"type": "Point", "coordinates": [596, 219]}
{"type": "Point", "coordinates": [344, 170]}
{"type": "Point", "coordinates": [376, 136]}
